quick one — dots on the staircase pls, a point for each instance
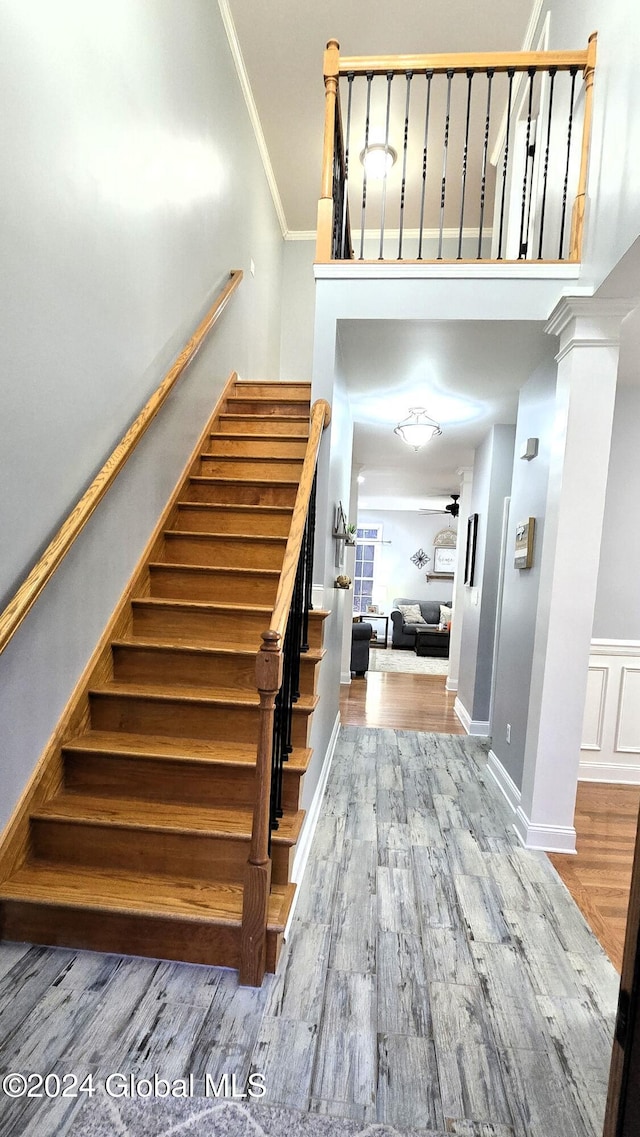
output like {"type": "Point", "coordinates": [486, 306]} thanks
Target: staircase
{"type": "Point", "coordinates": [140, 844]}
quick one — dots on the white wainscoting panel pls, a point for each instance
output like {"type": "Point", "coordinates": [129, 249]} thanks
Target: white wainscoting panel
{"type": "Point", "coordinates": [610, 749]}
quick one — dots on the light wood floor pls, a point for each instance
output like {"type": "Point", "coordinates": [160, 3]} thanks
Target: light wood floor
{"type": "Point", "coordinates": [407, 702]}
{"type": "Point", "coordinates": [599, 877]}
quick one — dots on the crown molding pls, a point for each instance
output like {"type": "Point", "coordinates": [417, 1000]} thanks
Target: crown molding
{"type": "Point", "coordinates": [238, 59]}
{"type": "Point", "coordinates": [571, 308]}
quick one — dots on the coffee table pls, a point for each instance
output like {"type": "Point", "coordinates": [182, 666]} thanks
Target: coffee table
{"type": "Point", "coordinates": [432, 641]}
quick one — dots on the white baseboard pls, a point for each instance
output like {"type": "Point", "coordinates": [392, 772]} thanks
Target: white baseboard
{"type": "Point", "coordinates": [504, 781]}
{"type": "Point", "coordinates": [345, 677]}
{"type": "Point", "coordinates": [547, 838]}
{"type": "Point", "coordinates": [617, 773]}
{"type": "Point", "coordinates": [303, 847]}
{"type": "Point", "coordinates": [317, 596]}
{"type": "Point", "coordinates": [476, 727]}
{"type": "Point", "coordinates": [451, 684]}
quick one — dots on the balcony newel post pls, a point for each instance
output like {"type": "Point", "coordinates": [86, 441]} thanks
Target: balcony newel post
{"type": "Point", "coordinates": [257, 881]}
{"type": "Point", "coordinates": [325, 204]}
{"type": "Point", "coordinates": [577, 217]}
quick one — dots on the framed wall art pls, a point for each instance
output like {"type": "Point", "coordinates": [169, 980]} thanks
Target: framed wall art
{"type": "Point", "coordinates": [470, 554]}
{"type": "Point", "coordinates": [525, 533]}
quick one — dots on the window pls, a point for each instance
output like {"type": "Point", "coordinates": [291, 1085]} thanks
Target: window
{"type": "Point", "coordinates": [367, 545]}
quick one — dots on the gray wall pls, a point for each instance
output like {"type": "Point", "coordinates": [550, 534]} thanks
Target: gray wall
{"type": "Point", "coordinates": [298, 310]}
{"type": "Point", "coordinates": [131, 184]}
{"type": "Point", "coordinates": [617, 611]}
{"type": "Point", "coordinates": [407, 532]}
{"type": "Point", "coordinates": [520, 591]}
{"type": "Point", "coordinates": [491, 484]}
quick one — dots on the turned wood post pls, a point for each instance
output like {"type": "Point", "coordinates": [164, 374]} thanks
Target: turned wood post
{"type": "Point", "coordinates": [577, 217]}
{"type": "Point", "coordinates": [257, 881]}
{"type": "Point", "coordinates": [325, 204]}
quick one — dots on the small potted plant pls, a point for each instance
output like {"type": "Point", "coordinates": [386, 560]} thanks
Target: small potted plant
{"type": "Point", "coordinates": [351, 534]}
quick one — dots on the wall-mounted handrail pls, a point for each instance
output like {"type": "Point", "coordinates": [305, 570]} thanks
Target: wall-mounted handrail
{"type": "Point", "coordinates": [519, 211]}
{"type": "Point", "coordinates": [29, 591]}
{"type": "Point", "coordinates": [269, 677]}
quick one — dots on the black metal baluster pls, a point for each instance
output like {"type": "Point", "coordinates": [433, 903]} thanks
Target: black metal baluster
{"type": "Point", "coordinates": [574, 71]}
{"type": "Point", "coordinates": [552, 77]}
{"type": "Point", "coordinates": [364, 165]}
{"type": "Point", "coordinates": [510, 73]}
{"type": "Point", "coordinates": [445, 150]}
{"type": "Point", "coordinates": [383, 204]}
{"type": "Point", "coordinates": [338, 188]}
{"type": "Point", "coordinates": [347, 142]}
{"type": "Point", "coordinates": [465, 155]}
{"type": "Point", "coordinates": [485, 149]}
{"type": "Point", "coordinates": [522, 247]}
{"type": "Point", "coordinates": [409, 77]}
{"type": "Point", "coordinates": [429, 77]}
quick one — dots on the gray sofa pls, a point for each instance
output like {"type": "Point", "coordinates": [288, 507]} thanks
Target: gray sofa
{"type": "Point", "coordinates": [360, 639]}
{"type": "Point", "coordinates": [404, 635]}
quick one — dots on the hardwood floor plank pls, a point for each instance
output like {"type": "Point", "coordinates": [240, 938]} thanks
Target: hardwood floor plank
{"type": "Point", "coordinates": [437, 901]}
{"type": "Point", "coordinates": [397, 909]}
{"type": "Point", "coordinates": [284, 1055]}
{"type": "Point", "coordinates": [512, 1003]}
{"type": "Point", "coordinates": [540, 1097]}
{"type": "Point", "coordinates": [479, 902]}
{"type": "Point", "coordinates": [297, 991]}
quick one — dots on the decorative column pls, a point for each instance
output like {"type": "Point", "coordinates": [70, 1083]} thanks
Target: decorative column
{"type": "Point", "coordinates": [589, 332]}
{"type": "Point", "coordinates": [465, 473]}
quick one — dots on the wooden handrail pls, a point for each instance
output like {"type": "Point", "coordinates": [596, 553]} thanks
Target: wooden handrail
{"type": "Point", "coordinates": [269, 666]}
{"type": "Point", "coordinates": [463, 61]}
{"type": "Point", "coordinates": [320, 419]}
{"type": "Point", "coordinates": [41, 573]}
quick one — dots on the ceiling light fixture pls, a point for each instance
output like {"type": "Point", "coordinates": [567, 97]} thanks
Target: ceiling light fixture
{"type": "Point", "coordinates": [377, 159]}
{"type": "Point", "coordinates": [417, 429]}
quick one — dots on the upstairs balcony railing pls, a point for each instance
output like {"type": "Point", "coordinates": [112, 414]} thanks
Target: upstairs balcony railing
{"type": "Point", "coordinates": [481, 157]}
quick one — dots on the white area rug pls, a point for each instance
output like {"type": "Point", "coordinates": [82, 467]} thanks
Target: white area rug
{"type": "Point", "coordinates": [385, 659]}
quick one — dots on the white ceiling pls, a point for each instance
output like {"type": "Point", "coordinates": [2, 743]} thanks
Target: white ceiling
{"type": "Point", "coordinates": [466, 374]}
{"type": "Point", "coordinates": [282, 46]}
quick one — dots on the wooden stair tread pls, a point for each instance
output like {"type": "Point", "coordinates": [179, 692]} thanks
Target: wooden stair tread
{"type": "Point", "coordinates": [233, 648]}
{"type": "Point", "coordinates": [263, 418]}
{"type": "Point", "coordinates": [169, 817]}
{"type": "Point", "coordinates": [272, 397]}
{"type": "Point", "coordinates": [195, 750]}
{"type": "Point", "coordinates": [251, 480]}
{"type": "Point", "coordinates": [205, 505]}
{"type": "Point", "coordinates": [197, 534]}
{"type": "Point", "coordinates": [255, 459]}
{"type": "Point", "coordinates": [177, 566]}
{"type": "Point", "coordinates": [118, 891]}
{"type": "Point", "coordinates": [220, 436]}
{"type": "Point", "coordinates": [212, 606]}
{"type": "Point", "coordinates": [206, 696]}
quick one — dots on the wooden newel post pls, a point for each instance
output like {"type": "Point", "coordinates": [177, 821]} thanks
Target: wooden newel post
{"type": "Point", "coordinates": [257, 880]}
{"type": "Point", "coordinates": [325, 204]}
{"type": "Point", "coordinates": [577, 217]}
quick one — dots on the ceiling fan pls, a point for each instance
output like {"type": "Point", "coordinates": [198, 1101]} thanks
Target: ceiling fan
{"type": "Point", "coordinates": [452, 508]}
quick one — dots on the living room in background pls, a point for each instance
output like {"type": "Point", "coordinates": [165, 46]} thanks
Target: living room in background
{"type": "Point", "coordinates": [368, 540]}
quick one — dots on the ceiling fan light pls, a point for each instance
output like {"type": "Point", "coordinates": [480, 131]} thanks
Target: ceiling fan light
{"type": "Point", "coordinates": [417, 429]}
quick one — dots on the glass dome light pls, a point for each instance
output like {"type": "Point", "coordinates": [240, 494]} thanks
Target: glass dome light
{"type": "Point", "coordinates": [417, 429]}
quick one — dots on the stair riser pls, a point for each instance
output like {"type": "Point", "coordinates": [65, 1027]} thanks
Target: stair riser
{"type": "Point", "coordinates": [169, 781]}
{"type": "Point", "coordinates": [224, 552]}
{"type": "Point", "coordinates": [235, 493]}
{"type": "Point", "coordinates": [283, 470]}
{"type": "Point", "coordinates": [283, 390]}
{"type": "Point", "coordinates": [190, 856]}
{"type": "Point", "coordinates": [257, 448]}
{"type": "Point", "coordinates": [189, 941]}
{"type": "Point", "coordinates": [146, 666]}
{"type": "Point", "coordinates": [218, 587]}
{"type": "Point", "coordinates": [214, 520]}
{"type": "Point", "coordinates": [216, 722]}
{"type": "Point", "coordinates": [273, 407]}
{"type": "Point", "coordinates": [236, 424]}
{"type": "Point", "coordinates": [208, 629]}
